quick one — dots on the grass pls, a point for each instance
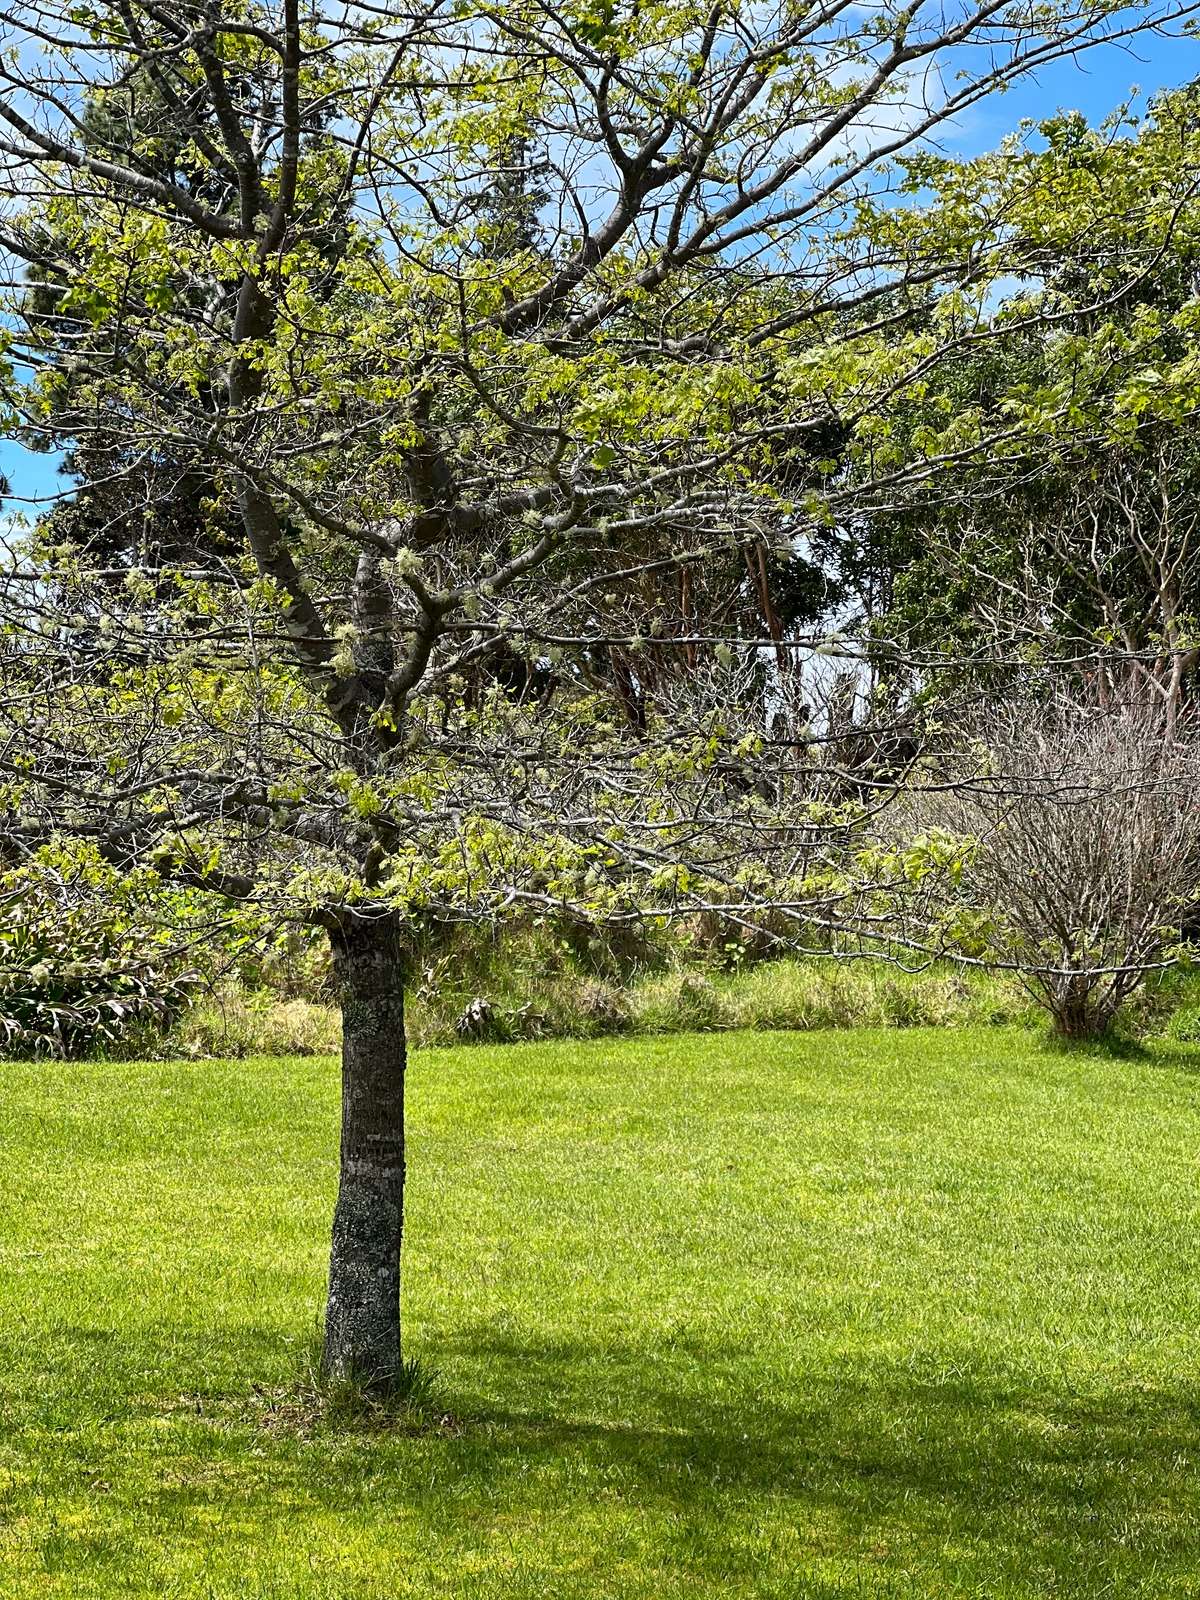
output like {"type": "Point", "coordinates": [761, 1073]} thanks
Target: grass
{"type": "Point", "coordinates": [801, 1316]}
{"type": "Point", "coordinates": [529, 1003]}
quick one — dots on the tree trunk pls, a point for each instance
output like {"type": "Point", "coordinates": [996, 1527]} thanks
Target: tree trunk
{"type": "Point", "coordinates": [1079, 1014]}
{"type": "Point", "coordinates": [362, 1319]}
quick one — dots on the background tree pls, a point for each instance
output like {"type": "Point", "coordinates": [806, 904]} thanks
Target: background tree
{"type": "Point", "coordinates": [1074, 535]}
{"type": "Point", "coordinates": [1045, 591]}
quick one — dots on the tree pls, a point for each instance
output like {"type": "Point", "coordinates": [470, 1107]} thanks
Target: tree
{"type": "Point", "coordinates": [446, 441]}
{"type": "Point", "coordinates": [1074, 848]}
{"type": "Point", "coordinates": [1071, 541]}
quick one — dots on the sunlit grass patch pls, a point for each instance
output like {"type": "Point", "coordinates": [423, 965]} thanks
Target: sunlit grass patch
{"type": "Point", "coordinates": [859, 1313]}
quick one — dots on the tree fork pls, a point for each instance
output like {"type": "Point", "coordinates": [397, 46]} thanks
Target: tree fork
{"type": "Point", "coordinates": [362, 1319]}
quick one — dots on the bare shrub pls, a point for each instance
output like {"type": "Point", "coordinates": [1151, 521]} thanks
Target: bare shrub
{"type": "Point", "coordinates": [1086, 852]}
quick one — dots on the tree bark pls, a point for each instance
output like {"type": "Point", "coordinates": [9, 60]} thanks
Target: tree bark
{"type": "Point", "coordinates": [362, 1319]}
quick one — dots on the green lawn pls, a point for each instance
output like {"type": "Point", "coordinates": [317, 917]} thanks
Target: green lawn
{"type": "Point", "coordinates": [860, 1314]}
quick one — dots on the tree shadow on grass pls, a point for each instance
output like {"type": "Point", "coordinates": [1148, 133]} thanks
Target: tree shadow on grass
{"type": "Point", "coordinates": [1175, 1058]}
{"type": "Point", "coordinates": [883, 1449]}
{"type": "Point", "coordinates": [1106, 1047]}
{"type": "Point", "coordinates": [1168, 1054]}
{"type": "Point", "coordinates": [965, 1472]}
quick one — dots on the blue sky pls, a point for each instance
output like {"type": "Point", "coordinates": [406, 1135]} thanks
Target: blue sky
{"type": "Point", "coordinates": [1094, 83]}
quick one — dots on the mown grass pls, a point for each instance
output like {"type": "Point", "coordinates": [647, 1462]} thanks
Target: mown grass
{"type": "Point", "coordinates": [860, 1314]}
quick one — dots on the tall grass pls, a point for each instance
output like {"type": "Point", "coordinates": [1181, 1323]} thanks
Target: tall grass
{"type": "Point", "coordinates": [520, 1005]}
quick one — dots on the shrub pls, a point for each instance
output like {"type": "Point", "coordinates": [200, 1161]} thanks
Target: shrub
{"type": "Point", "coordinates": [78, 974]}
{"type": "Point", "coordinates": [1082, 853]}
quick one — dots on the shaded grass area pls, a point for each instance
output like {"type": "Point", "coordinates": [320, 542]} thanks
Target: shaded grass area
{"type": "Point", "coordinates": [865, 1314]}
